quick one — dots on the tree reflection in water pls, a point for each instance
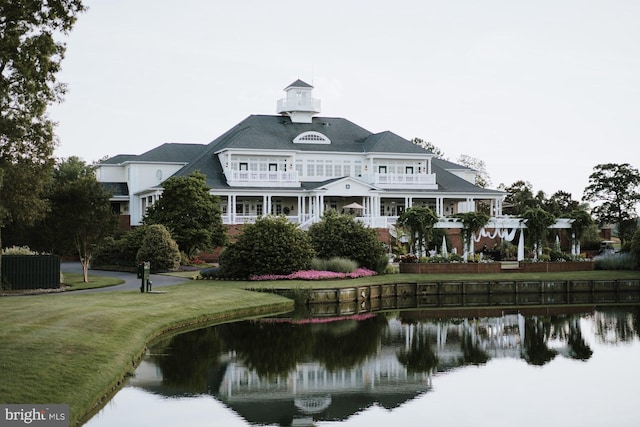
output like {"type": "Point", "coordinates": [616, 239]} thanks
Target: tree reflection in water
{"type": "Point", "coordinates": [361, 360]}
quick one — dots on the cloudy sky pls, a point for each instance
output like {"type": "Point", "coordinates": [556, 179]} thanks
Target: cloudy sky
{"type": "Point", "coordinates": [540, 91]}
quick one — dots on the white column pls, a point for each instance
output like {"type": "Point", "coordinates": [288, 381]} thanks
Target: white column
{"type": "Point", "coordinates": [231, 203]}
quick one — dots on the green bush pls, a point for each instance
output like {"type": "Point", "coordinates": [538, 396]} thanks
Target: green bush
{"type": "Point", "coordinates": [337, 264]}
{"type": "Point", "coordinates": [122, 252]}
{"type": "Point", "coordinates": [634, 247]}
{"type": "Point", "coordinates": [18, 250]}
{"type": "Point", "coordinates": [159, 249]}
{"type": "Point", "coordinates": [624, 261]}
{"type": "Point", "coordinates": [272, 245]}
{"type": "Point", "coordinates": [342, 236]}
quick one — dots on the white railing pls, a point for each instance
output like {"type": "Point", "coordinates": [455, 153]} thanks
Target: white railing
{"type": "Point", "coordinates": [256, 177]}
{"type": "Point", "coordinates": [404, 179]}
{"type": "Point", "coordinates": [294, 104]}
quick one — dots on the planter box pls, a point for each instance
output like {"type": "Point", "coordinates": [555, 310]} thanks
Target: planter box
{"type": "Point", "coordinates": [459, 268]}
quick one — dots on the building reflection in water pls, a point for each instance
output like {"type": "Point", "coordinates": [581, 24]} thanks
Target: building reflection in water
{"type": "Point", "coordinates": [296, 372]}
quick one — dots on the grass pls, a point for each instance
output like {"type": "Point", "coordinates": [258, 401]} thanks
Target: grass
{"type": "Point", "coordinates": [75, 281]}
{"type": "Point", "coordinates": [78, 348]}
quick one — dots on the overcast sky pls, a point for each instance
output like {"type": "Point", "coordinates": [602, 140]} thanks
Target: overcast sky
{"type": "Point", "coordinates": [540, 90]}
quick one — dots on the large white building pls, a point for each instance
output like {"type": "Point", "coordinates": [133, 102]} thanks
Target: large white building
{"type": "Point", "coordinates": [300, 164]}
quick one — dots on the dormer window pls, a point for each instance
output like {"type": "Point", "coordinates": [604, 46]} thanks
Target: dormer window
{"type": "Point", "coordinates": [311, 137]}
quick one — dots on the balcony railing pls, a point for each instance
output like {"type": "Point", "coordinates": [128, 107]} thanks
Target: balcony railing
{"type": "Point", "coordinates": [261, 178]}
{"type": "Point", "coordinates": [402, 179]}
{"type": "Point", "coordinates": [287, 104]}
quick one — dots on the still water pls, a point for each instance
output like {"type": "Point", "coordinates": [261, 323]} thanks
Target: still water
{"type": "Point", "coordinates": [553, 366]}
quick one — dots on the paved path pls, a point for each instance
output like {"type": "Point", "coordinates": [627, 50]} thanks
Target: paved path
{"type": "Point", "coordinates": [131, 281]}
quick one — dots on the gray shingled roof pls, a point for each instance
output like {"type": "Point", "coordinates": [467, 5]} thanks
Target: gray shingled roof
{"type": "Point", "coordinates": [168, 152]}
{"type": "Point", "coordinates": [278, 132]}
{"type": "Point", "coordinates": [389, 142]}
{"type": "Point", "coordinates": [298, 83]}
{"type": "Point", "coordinates": [119, 159]}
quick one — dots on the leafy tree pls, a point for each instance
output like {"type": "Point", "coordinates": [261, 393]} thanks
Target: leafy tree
{"type": "Point", "coordinates": [472, 222]}
{"type": "Point", "coordinates": [482, 178]}
{"type": "Point", "coordinates": [581, 222]}
{"type": "Point", "coordinates": [81, 213]}
{"type": "Point", "coordinates": [437, 152]}
{"type": "Point", "coordinates": [616, 190]}
{"type": "Point", "coordinates": [159, 249]}
{"type": "Point", "coordinates": [420, 222]}
{"type": "Point", "coordinates": [190, 212]}
{"type": "Point", "coordinates": [71, 169]}
{"type": "Point", "coordinates": [538, 221]}
{"type": "Point", "coordinates": [627, 228]}
{"type": "Point", "coordinates": [519, 199]}
{"type": "Point", "coordinates": [272, 245]}
{"type": "Point", "coordinates": [30, 58]}
{"type": "Point", "coordinates": [338, 235]}
{"type": "Point", "coordinates": [561, 204]}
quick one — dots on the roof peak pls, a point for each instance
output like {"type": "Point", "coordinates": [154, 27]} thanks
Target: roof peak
{"type": "Point", "coordinates": [299, 83]}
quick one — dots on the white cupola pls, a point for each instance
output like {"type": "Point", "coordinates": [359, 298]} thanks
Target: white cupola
{"type": "Point", "coordinates": [299, 105]}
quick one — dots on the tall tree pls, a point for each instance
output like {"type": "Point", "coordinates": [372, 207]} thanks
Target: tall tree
{"type": "Point", "coordinates": [190, 213]}
{"type": "Point", "coordinates": [428, 145]}
{"type": "Point", "coordinates": [520, 197]}
{"type": "Point", "coordinates": [482, 177]}
{"type": "Point", "coordinates": [561, 204]}
{"type": "Point", "coordinates": [81, 212]}
{"type": "Point", "coordinates": [615, 188]}
{"type": "Point", "coordinates": [30, 58]}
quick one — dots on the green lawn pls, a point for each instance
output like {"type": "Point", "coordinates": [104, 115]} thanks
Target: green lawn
{"type": "Point", "coordinates": [77, 348]}
{"type": "Point", "coordinates": [75, 281]}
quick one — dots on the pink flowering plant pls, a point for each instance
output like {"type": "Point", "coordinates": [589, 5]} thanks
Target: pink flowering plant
{"type": "Point", "coordinates": [316, 275]}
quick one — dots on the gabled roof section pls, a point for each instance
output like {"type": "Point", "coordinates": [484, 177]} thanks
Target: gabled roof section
{"type": "Point", "coordinates": [165, 153]}
{"type": "Point", "coordinates": [449, 182]}
{"type": "Point", "coordinates": [345, 136]}
{"type": "Point", "coordinates": [253, 138]}
{"type": "Point", "coordinates": [172, 152]}
{"type": "Point", "coordinates": [446, 164]}
{"type": "Point", "coordinates": [119, 159]}
{"type": "Point", "coordinates": [389, 142]}
{"type": "Point", "coordinates": [298, 83]}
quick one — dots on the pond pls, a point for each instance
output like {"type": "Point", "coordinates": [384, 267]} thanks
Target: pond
{"type": "Point", "coordinates": [532, 366]}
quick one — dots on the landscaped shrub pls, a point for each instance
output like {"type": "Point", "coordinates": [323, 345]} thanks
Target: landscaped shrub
{"type": "Point", "coordinates": [121, 252]}
{"type": "Point", "coordinates": [616, 262]}
{"type": "Point", "coordinates": [634, 249]}
{"type": "Point", "coordinates": [337, 264]}
{"type": "Point", "coordinates": [210, 273]}
{"type": "Point", "coordinates": [339, 235]}
{"type": "Point", "coordinates": [18, 250]}
{"type": "Point", "coordinates": [159, 249]}
{"type": "Point", "coordinates": [272, 245]}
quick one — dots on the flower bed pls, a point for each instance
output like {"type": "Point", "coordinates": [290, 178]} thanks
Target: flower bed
{"type": "Point", "coordinates": [316, 275]}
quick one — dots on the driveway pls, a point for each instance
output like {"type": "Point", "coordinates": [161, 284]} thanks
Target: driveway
{"type": "Point", "coordinates": [131, 282]}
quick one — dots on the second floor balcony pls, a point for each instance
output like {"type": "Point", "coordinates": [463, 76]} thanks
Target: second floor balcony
{"type": "Point", "coordinates": [402, 180]}
{"type": "Point", "coordinates": [236, 178]}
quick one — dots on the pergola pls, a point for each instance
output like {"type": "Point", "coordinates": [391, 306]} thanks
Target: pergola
{"type": "Point", "coordinates": [506, 228]}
